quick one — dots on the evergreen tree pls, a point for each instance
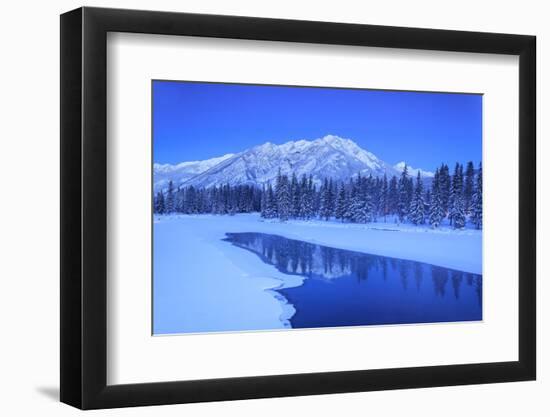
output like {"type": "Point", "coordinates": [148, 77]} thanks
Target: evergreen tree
{"type": "Point", "coordinates": [303, 197]}
{"type": "Point", "coordinates": [257, 199]}
{"type": "Point", "coordinates": [361, 207]}
{"type": "Point", "coordinates": [403, 192]}
{"type": "Point", "coordinates": [457, 215]}
{"type": "Point", "coordinates": [384, 198]}
{"type": "Point", "coordinates": [436, 206]}
{"type": "Point", "coordinates": [331, 197]}
{"type": "Point", "coordinates": [372, 196]}
{"type": "Point", "coordinates": [416, 213]}
{"type": "Point", "coordinates": [309, 199]}
{"type": "Point", "coordinates": [341, 203]}
{"type": "Point", "coordinates": [295, 196]}
{"type": "Point", "coordinates": [353, 213]}
{"type": "Point", "coordinates": [159, 203]}
{"type": "Point", "coordinates": [444, 188]}
{"type": "Point", "coordinates": [169, 205]}
{"type": "Point", "coordinates": [368, 212]}
{"type": "Point", "coordinates": [316, 198]}
{"type": "Point", "coordinates": [284, 199]}
{"type": "Point", "coordinates": [199, 203]}
{"type": "Point", "coordinates": [352, 203]}
{"type": "Point", "coordinates": [409, 186]}
{"type": "Point", "coordinates": [190, 202]}
{"type": "Point", "coordinates": [325, 203]}
{"type": "Point", "coordinates": [468, 188]}
{"type": "Point", "coordinates": [427, 201]}
{"type": "Point", "coordinates": [393, 196]}
{"type": "Point", "coordinates": [179, 203]}
{"type": "Point", "coordinates": [373, 189]}
{"type": "Point", "coordinates": [271, 203]}
{"type": "Point", "coordinates": [263, 204]}
{"type": "Point", "coordinates": [215, 200]}
{"type": "Point", "coordinates": [477, 201]}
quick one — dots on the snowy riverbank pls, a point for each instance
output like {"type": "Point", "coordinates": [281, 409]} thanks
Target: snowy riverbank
{"type": "Point", "coordinates": [203, 283]}
{"type": "Point", "coordinates": [455, 249]}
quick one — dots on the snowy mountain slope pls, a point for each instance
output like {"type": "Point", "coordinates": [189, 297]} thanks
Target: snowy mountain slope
{"type": "Point", "coordinates": [180, 173]}
{"type": "Point", "coordinates": [413, 171]}
{"type": "Point", "coordinates": [330, 156]}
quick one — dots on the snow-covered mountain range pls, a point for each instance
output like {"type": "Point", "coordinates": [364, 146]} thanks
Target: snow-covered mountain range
{"type": "Point", "coordinates": [330, 156]}
{"type": "Point", "coordinates": [182, 172]}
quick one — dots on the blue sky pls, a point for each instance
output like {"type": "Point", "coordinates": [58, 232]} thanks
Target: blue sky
{"type": "Point", "coordinates": [194, 121]}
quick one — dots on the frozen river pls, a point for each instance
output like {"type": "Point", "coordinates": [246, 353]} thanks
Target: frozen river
{"type": "Point", "coordinates": [211, 274]}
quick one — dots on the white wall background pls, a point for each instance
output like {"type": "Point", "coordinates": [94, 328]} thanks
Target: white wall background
{"type": "Point", "coordinates": [29, 237]}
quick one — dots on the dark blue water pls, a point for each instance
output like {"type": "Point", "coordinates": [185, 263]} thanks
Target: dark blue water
{"type": "Point", "coordinates": [348, 288]}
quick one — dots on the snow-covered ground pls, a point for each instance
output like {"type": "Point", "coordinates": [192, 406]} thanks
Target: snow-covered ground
{"type": "Point", "coordinates": [203, 283]}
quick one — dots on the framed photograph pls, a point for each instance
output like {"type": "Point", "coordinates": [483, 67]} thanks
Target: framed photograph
{"type": "Point", "coordinates": [257, 208]}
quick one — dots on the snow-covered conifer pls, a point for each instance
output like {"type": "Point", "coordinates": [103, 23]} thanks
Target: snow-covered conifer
{"type": "Point", "coordinates": [384, 203]}
{"type": "Point", "coordinates": [284, 199]}
{"type": "Point", "coordinates": [457, 213]}
{"type": "Point", "coordinates": [303, 198]}
{"type": "Point", "coordinates": [403, 193]}
{"type": "Point", "coordinates": [190, 202]}
{"type": "Point", "coordinates": [393, 196]}
{"type": "Point", "coordinates": [331, 196]}
{"type": "Point", "coordinates": [427, 200]}
{"type": "Point", "coordinates": [325, 201]}
{"type": "Point", "coordinates": [170, 201]}
{"type": "Point", "coordinates": [179, 200]}
{"type": "Point", "coordinates": [263, 203]}
{"type": "Point", "coordinates": [159, 203]}
{"type": "Point", "coordinates": [416, 212]}
{"type": "Point", "coordinates": [295, 197]}
{"type": "Point", "coordinates": [468, 187]}
{"type": "Point", "coordinates": [436, 214]}
{"type": "Point", "coordinates": [309, 199]}
{"type": "Point", "coordinates": [444, 188]}
{"type": "Point", "coordinates": [341, 203]}
{"type": "Point", "coordinates": [477, 201]}
{"type": "Point", "coordinates": [271, 203]}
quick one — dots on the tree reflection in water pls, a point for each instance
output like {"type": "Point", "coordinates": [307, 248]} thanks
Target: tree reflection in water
{"type": "Point", "coordinates": [387, 283]}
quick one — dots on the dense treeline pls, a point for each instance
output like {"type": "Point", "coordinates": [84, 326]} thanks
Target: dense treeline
{"type": "Point", "coordinates": [216, 200]}
{"type": "Point", "coordinates": [456, 198]}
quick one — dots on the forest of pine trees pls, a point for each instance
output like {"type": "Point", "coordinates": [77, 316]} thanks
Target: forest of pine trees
{"type": "Point", "coordinates": [456, 198]}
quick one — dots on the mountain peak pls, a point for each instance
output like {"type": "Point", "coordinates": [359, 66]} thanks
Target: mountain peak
{"type": "Point", "coordinates": [264, 146]}
{"type": "Point", "coordinates": [413, 171]}
{"type": "Point", "coordinates": [335, 141]}
{"type": "Point", "coordinates": [332, 138]}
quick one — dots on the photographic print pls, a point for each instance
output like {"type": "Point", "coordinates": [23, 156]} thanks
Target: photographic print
{"type": "Point", "coordinates": [291, 207]}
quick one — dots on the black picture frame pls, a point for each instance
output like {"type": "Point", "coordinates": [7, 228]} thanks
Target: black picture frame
{"type": "Point", "coordinates": [84, 207]}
